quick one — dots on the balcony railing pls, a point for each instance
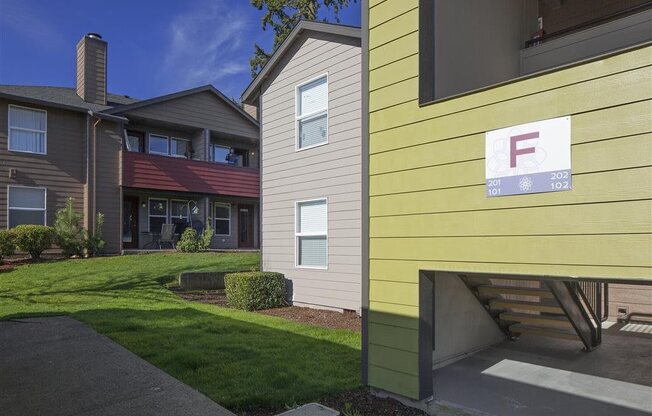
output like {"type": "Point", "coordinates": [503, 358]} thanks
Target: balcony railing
{"type": "Point", "coordinates": [147, 171]}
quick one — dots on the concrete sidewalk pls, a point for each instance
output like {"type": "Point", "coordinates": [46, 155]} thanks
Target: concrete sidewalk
{"type": "Point", "coordinates": [59, 366]}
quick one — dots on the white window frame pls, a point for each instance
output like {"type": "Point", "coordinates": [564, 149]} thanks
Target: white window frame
{"type": "Point", "coordinates": [215, 218]}
{"type": "Point", "coordinates": [45, 203]}
{"type": "Point", "coordinates": [212, 155]}
{"type": "Point", "coordinates": [298, 118]}
{"type": "Point", "coordinates": [9, 128]}
{"type": "Point", "coordinates": [180, 140]}
{"type": "Point", "coordinates": [149, 215]}
{"type": "Point", "coordinates": [149, 148]}
{"type": "Point", "coordinates": [185, 202]}
{"type": "Point", "coordinates": [298, 235]}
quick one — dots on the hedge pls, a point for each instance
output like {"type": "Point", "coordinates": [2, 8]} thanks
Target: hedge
{"type": "Point", "coordinates": [253, 291]}
{"type": "Point", "coordinates": [7, 244]}
{"type": "Point", "coordinates": [33, 239]}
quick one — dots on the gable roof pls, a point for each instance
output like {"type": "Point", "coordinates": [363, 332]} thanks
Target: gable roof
{"type": "Point", "coordinates": [252, 92]}
{"type": "Point", "coordinates": [65, 97]}
{"type": "Point", "coordinates": [156, 100]}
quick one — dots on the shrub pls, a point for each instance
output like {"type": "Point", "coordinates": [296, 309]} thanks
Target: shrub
{"type": "Point", "coordinates": [69, 231]}
{"type": "Point", "coordinates": [33, 239]}
{"type": "Point", "coordinates": [189, 242]}
{"type": "Point", "coordinates": [207, 237]}
{"type": "Point", "coordinates": [95, 243]}
{"type": "Point", "coordinates": [7, 244]}
{"type": "Point", "coordinates": [252, 291]}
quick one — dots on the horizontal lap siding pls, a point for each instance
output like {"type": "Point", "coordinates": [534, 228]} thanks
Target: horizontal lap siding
{"type": "Point", "coordinates": [201, 110]}
{"type": "Point", "coordinates": [62, 171]}
{"type": "Point", "coordinates": [107, 182]}
{"type": "Point", "coordinates": [428, 205]}
{"type": "Point", "coordinates": [332, 171]}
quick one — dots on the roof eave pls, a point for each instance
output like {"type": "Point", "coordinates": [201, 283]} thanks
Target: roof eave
{"type": "Point", "coordinates": [180, 94]}
{"type": "Point", "coordinates": [252, 92]}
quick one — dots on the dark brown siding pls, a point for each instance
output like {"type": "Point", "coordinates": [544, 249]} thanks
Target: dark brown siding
{"type": "Point", "coordinates": [201, 110]}
{"type": "Point", "coordinates": [107, 184]}
{"type": "Point", "coordinates": [61, 171]}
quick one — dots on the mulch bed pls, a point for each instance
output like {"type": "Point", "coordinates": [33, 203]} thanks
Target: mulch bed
{"type": "Point", "coordinates": [358, 402]}
{"type": "Point", "coordinates": [8, 263]}
{"type": "Point", "coordinates": [362, 402]}
{"type": "Point", "coordinates": [317, 317]}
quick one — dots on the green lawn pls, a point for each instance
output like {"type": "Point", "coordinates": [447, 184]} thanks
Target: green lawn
{"type": "Point", "coordinates": [241, 360]}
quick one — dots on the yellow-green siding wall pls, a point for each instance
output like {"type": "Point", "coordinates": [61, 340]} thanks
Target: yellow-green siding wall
{"type": "Point", "coordinates": [427, 203]}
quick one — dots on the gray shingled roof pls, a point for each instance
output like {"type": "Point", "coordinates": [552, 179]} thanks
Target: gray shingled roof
{"type": "Point", "coordinates": [64, 96]}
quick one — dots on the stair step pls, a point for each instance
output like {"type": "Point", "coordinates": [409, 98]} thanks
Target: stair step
{"type": "Point", "coordinates": [497, 304]}
{"type": "Point", "coordinates": [515, 290]}
{"type": "Point", "coordinates": [537, 320]}
{"type": "Point", "coordinates": [544, 332]}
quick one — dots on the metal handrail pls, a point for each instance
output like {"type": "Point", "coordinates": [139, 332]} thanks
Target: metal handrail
{"type": "Point", "coordinates": [597, 296]}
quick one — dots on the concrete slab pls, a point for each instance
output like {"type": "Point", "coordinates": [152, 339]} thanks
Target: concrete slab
{"type": "Point", "coordinates": [59, 366]}
{"type": "Point", "coordinates": [537, 376]}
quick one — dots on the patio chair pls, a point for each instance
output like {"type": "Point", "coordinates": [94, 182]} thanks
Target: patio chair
{"type": "Point", "coordinates": [167, 235]}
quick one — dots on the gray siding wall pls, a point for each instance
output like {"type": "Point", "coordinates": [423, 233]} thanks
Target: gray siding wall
{"type": "Point", "coordinates": [202, 110]}
{"type": "Point", "coordinates": [332, 171]}
{"type": "Point", "coordinates": [62, 171]}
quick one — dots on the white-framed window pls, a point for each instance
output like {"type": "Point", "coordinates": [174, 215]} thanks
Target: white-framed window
{"type": "Point", "coordinates": [179, 213]}
{"type": "Point", "coordinates": [222, 218]}
{"type": "Point", "coordinates": [159, 145]}
{"type": "Point", "coordinates": [158, 214]}
{"type": "Point", "coordinates": [27, 130]}
{"type": "Point", "coordinates": [220, 153]}
{"type": "Point", "coordinates": [179, 147]}
{"type": "Point", "coordinates": [26, 205]}
{"type": "Point", "coordinates": [312, 113]}
{"type": "Point", "coordinates": [311, 234]}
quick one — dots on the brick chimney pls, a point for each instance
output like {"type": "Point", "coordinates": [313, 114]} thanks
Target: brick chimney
{"type": "Point", "coordinates": [91, 69]}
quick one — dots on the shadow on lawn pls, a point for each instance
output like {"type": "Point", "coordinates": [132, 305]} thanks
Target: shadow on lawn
{"type": "Point", "coordinates": [243, 361]}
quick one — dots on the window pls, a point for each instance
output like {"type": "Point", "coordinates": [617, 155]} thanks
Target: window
{"type": "Point", "coordinates": [179, 147]}
{"type": "Point", "coordinates": [179, 214]}
{"type": "Point", "coordinates": [219, 153]}
{"type": "Point", "coordinates": [158, 145]}
{"type": "Point", "coordinates": [26, 206]}
{"type": "Point", "coordinates": [134, 142]}
{"type": "Point", "coordinates": [222, 219]}
{"type": "Point", "coordinates": [27, 130]}
{"type": "Point", "coordinates": [158, 214]}
{"type": "Point", "coordinates": [312, 113]}
{"type": "Point", "coordinates": [243, 157]}
{"type": "Point", "coordinates": [312, 234]}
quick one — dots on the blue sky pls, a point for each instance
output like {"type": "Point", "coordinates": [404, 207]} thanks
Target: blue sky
{"type": "Point", "coordinates": [155, 46]}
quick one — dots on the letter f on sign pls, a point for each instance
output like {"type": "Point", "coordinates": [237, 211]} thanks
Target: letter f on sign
{"type": "Point", "coordinates": [513, 151]}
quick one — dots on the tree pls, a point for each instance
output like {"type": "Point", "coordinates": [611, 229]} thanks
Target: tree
{"type": "Point", "coordinates": [283, 15]}
{"type": "Point", "coordinates": [69, 230]}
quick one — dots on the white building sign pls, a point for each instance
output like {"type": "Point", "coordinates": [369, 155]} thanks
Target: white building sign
{"type": "Point", "coordinates": [529, 158]}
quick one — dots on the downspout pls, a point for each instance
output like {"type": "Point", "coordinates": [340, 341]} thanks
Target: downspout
{"type": "Point", "coordinates": [94, 192]}
{"type": "Point", "coordinates": [88, 167]}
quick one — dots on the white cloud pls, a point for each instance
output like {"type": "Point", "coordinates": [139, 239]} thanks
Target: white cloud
{"type": "Point", "coordinates": [206, 44]}
{"type": "Point", "coordinates": [30, 24]}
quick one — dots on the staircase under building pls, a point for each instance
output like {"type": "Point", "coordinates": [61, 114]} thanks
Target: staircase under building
{"type": "Point", "coordinates": [545, 307]}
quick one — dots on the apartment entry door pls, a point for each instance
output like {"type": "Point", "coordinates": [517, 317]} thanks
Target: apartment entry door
{"type": "Point", "coordinates": [245, 226]}
{"type": "Point", "coordinates": [129, 222]}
